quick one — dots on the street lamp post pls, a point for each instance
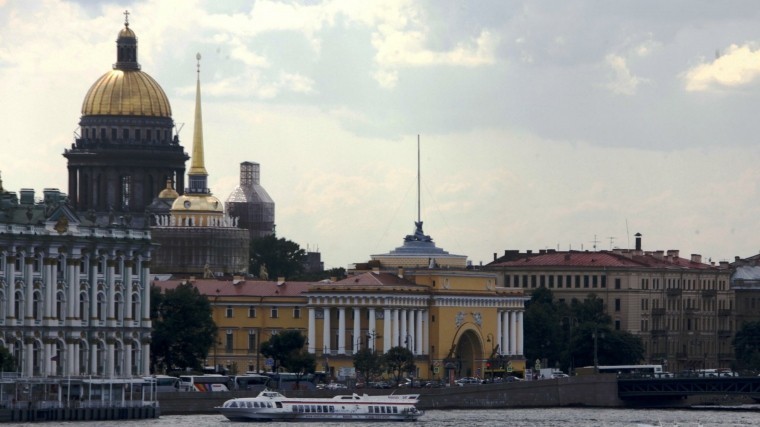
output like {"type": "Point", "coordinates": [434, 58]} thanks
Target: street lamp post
{"type": "Point", "coordinates": [596, 349]}
{"type": "Point", "coordinates": [490, 339]}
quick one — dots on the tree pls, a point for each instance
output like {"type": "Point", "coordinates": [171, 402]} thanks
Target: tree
{"type": "Point", "coordinates": [747, 346]}
{"type": "Point", "coordinates": [7, 361]}
{"type": "Point", "coordinates": [613, 347]}
{"type": "Point", "coordinates": [275, 257]}
{"type": "Point", "coordinates": [543, 339]}
{"type": "Point", "coordinates": [286, 350]}
{"type": "Point", "coordinates": [183, 329]}
{"type": "Point", "coordinates": [398, 362]}
{"type": "Point", "coordinates": [368, 363]}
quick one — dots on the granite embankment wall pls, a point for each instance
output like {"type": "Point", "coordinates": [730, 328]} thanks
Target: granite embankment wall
{"type": "Point", "coordinates": [598, 391]}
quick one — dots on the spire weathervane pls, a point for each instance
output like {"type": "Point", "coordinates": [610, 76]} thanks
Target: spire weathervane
{"type": "Point", "coordinates": [126, 18]}
{"type": "Point", "coordinates": [198, 58]}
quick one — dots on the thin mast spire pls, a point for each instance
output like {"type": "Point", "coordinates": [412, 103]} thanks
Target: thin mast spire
{"type": "Point", "coordinates": [419, 217]}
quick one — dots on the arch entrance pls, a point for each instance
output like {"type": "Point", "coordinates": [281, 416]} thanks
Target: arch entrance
{"type": "Point", "coordinates": [468, 354]}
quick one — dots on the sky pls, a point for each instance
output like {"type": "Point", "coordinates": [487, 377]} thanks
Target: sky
{"type": "Point", "coordinates": [542, 124]}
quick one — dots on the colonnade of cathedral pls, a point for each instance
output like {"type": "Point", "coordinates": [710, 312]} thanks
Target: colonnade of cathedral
{"type": "Point", "coordinates": [71, 311]}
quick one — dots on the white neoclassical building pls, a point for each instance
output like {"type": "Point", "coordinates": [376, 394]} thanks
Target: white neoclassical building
{"type": "Point", "coordinates": [74, 296]}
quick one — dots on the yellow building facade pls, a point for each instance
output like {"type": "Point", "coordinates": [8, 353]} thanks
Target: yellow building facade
{"type": "Point", "coordinates": [452, 321]}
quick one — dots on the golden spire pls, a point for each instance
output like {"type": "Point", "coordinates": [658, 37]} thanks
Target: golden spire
{"type": "Point", "coordinates": [197, 166]}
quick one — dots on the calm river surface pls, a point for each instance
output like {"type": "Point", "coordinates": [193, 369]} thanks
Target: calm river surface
{"type": "Point", "coordinates": [559, 417]}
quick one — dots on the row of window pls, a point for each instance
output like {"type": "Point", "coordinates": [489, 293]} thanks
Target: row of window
{"type": "Point", "coordinates": [136, 134]}
{"type": "Point", "coordinates": [60, 267]}
{"type": "Point", "coordinates": [60, 308]}
{"type": "Point", "coordinates": [685, 284]}
{"type": "Point", "coordinates": [559, 281]}
{"type": "Point", "coordinates": [708, 305]}
{"type": "Point", "coordinates": [274, 312]}
{"type": "Point", "coordinates": [314, 408]}
{"type": "Point", "coordinates": [678, 324]}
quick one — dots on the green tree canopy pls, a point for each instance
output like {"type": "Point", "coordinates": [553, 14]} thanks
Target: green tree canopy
{"type": "Point", "coordinates": [7, 361]}
{"type": "Point", "coordinates": [542, 333]}
{"type": "Point", "coordinates": [183, 329]}
{"type": "Point", "coordinates": [399, 362]}
{"type": "Point", "coordinates": [747, 346]}
{"type": "Point", "coordinates": [368, 364]}
{"type": "Point", "coordinates": [286, 349]}
{"type": "Point", "coordinates": [272, 257]}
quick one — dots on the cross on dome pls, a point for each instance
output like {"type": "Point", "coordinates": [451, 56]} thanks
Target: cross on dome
{"type": "Point", "coordinates": [126, 18]}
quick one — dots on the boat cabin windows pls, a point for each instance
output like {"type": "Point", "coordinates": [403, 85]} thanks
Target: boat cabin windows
{"type": "Point", "coordinates": [313, 408]}
{"type": "Point", "coordinates": [383, 410]}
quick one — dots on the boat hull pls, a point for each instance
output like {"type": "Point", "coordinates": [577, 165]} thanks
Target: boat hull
{"type": "Point", "coordinates": [247, 414]}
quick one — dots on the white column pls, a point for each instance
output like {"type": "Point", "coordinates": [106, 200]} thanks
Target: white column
{"type": "Point", "coordinates": [93, 359]}
{"type": "Point", "coordinates": [47, 362]}
{"type": "Point", "coordinates": [74, 358]}
{"type": "Point", "coordinates": [425, 332]}
{"type": "Point", "coordinates": [410, 330]}
{"type": "Point", "coordinates": [10, 278]}
{"type": "Point", "coordinates": [326, 330]}
{"type": "Point", "coordinates": [387, 333]}
{"type": "Point", "coordinates": [505, 334]}
{"type": "Point", "coordinates": [342, 330]}
{"type": "Point", "coordinates": [29, 283]}
{"type": "Point", "coordinates": [70, 359]}
{"type": "Point", "coordinates": [395, 328]}
{"type": "Point", "coordinates": [312, 332]}
{"type": "Point", "coordinates": [512, 332]}
{"type": "Point", "coordinates": [372, 329]}
{"type": "Point", "coordinates": [357, 339]}
{"type": "Point", "coordinates": [110, 292]}
{"type": "Point", "coordinates": [110, 360]}
{"type": "Point", "coordinates": [29, 360]}
{"type": "Point", "coordinates": [73, 294]}
{"type": "Point", "coordinates": [127, 361]}
{"type": "Point", "coordinates": [418, 333]}
{"type": "Point", "coordinates": [520, 335]}
{"type": "Point", "coordinates": [498, 337]}
{"type": "Point", "coordinates": [404, 334]}
{"type": "Point", "coordinates": [146, 360]}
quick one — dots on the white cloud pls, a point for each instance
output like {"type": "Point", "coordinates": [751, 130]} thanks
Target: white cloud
{"type": "Point", "coordinates": [623, 81]}
{"type": "Point", "coordinates": [739, 66]}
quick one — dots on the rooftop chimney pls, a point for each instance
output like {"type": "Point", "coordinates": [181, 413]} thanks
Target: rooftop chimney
{"type": "Point", "coordinates": [696, 258]}
{"type": "Point", "coordinates": [638, 241]}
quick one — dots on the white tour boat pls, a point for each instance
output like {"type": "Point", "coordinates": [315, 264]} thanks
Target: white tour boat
{"type": "Point", "coordinates": [273, 406]}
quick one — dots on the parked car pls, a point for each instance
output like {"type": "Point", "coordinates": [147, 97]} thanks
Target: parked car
{"type": "Point", "coordinates": [560, 375]}
{"type": "Point", "coordinates": [512, 378]}
{"type": "Point", "coordinates": [336, 386]}
{"type": "Point", "coordinates": [468, 381]}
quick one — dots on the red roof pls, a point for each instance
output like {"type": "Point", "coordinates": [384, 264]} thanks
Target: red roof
{"type": "Point", "coordinates": [608, 259]}
{"type": "Point", "coordinates": [242, 288]}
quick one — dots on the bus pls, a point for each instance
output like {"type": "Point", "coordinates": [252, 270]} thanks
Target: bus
{"type": "Point", "coordinates": [250, 382]}
{"type": "Point", "coordinates": [654, 371]}
{"type": "Point", "coordinates": [162, 383]}
{"type": "Point", "coordinates": [287, 381]}
{"type": "Point", "coordinates": [204, 383]}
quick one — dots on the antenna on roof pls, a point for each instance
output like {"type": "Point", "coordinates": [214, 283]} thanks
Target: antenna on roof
{"type": "Point", "coordinates": [595, 241]}
{"type": "Point", "coordinates": [612, 241]}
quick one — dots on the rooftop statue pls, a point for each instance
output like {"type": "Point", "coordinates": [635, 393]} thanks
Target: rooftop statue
{"type": "Point", "coordinates": [419, 235]}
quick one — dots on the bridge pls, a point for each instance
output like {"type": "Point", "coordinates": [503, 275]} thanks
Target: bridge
{"type": "Point", "coordinates": [679, 387]}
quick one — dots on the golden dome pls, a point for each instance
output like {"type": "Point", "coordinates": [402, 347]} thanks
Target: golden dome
{"type": "Point", "coordinates": [197, 204]}
{"type": "Point", "coordinates": [126, 93]}
{"type": "Point", "coordinates": [169, 192]}
{"type": "Point", "coordinates": [126, 32]}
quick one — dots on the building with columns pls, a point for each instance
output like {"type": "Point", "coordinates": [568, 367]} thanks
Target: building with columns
{"type": "Point", "coordinates": [452, 319]}
{"type": "Point", "coordinates": [74, 296]}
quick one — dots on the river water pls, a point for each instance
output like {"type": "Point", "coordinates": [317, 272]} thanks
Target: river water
{"type": "Point", "coordinates": [552, 417]}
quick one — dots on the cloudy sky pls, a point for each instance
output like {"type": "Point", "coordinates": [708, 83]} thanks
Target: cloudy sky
{"type": "Point", "coordinates": [543, 124]}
